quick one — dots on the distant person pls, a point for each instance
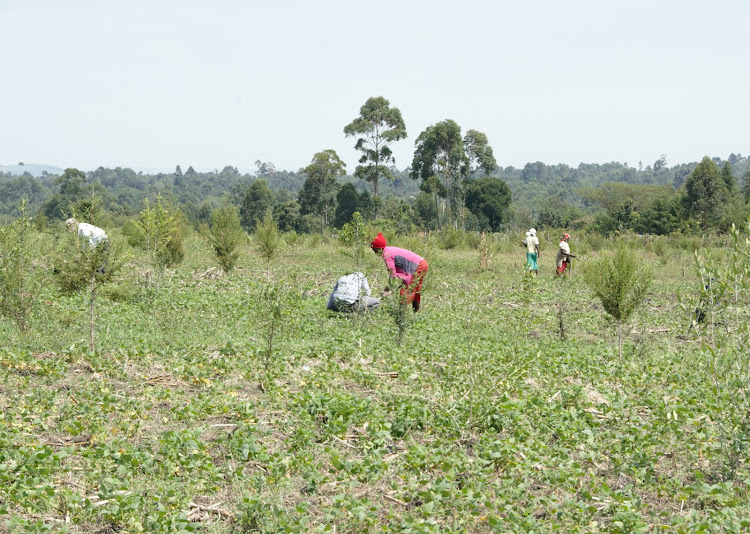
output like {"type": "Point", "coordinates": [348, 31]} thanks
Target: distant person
{"type": "Point", "coordinates": [95, 235]}
{"type": "Point", "coordinates": [406, 265]}
{"type": "Point", "coordinates": [532, 250]}
{"type": "Point", "coordinates": [352, 293]}
{"type": "Point", "coordinates": [563, 255]}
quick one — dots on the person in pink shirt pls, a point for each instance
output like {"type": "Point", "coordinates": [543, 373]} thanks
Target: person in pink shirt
{"type": "Point", "coordinates": [404, 264]}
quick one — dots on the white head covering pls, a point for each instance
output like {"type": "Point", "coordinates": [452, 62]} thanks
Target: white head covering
{"type": "Point", "coordinates": [71, 223]}
{"type": "Point", "coordinates": [532, 231]}
{"type": "Point", "coordinates": [528, 234]}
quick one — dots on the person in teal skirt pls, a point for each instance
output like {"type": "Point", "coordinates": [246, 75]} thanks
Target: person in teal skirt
{"type": "Point", "coordinates": [532, 250]}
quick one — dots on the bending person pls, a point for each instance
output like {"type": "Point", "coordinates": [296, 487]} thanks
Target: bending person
{"type": "Point", "coordinates": [406, 265]}
{"type": "Point", "coordinates": [94, 234]}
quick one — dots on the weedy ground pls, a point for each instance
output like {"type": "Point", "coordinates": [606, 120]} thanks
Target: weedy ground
{"type": "Point", "coordinates": [482, 420]}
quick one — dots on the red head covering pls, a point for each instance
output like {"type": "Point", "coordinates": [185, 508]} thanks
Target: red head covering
{"type": "Point", "coordinates": [565, 236]}
{"type": "Point", "coordinates": [379, 241]}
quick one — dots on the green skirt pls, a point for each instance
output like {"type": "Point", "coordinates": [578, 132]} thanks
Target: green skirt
{"type": "Point", "coordinates": [531, 261]}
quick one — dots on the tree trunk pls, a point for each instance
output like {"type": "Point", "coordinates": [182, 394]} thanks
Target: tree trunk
{"type": "Point", "coordinates": [437, 213]}
{"type": "Point", "coordinates": [375, 184]}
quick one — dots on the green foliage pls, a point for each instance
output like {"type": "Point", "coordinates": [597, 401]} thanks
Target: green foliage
{"type": "Point", "coordinates": [287, 216]}
{"type": "Point", "coordinates": [354, 236]}
{"type": "Point", "coordinates": [482, 420]}
{"type": "Point", "coordinates": [401, 314]}
{"type": "Point", "coordinates": [706, 193]}
{"type": "Point", "coordinates": [721, 319]}
{"type": "Point", "coordinates": [159, 225]}
{"type": "Point", "coordinates": [347, 203]}
{"type": "Point", "coordinates": [488, 199]}
{"type": "Point", "coordinates": [134, 234]}
{"type": "Point", "coordinates": [268, 239]}
{"type": "Point", "coordinates": [620, 283]}
{"type": "Point", "coordinates": [79, 265]}
{"type": "Point", "coordinates": [277, 302]}
{"type": "Point", "coordinates": [225, 236]}
{"type": "Point", "coordinates": [377, 127]}
{"type": "Point", "coordinates": [257, 202]}
{"type": "Point", "coordinates": [440, 152]}
{"type": "Point", "coordinates": [318, 195]}
{"type": "Point", "coordinates": [479, 153]}
{"type": "Point", "coordinates": [452, 238]}
{"type": "Point", "coordinates": [19, 284]}
{"type": "Point", "coordinates": [174, 253]}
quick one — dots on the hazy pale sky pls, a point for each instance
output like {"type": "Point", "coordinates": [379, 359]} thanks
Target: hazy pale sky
{"type": "Point", "coordinates": [156, 83]}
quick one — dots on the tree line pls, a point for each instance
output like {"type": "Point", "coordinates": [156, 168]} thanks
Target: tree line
{"type": "Point", "coordinates": [453, 181]}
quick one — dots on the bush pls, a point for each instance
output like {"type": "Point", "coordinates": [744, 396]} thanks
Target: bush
{"type": "Point", "coordinates": [595, 241]}
{"type": "Point", "coordinates": [452, 238]}
{"type": "Point", "coordinates": [472, 240]}
{"type": "Point", "coordinates": [226, 235]}
{"type": "Point", "coordinates": [18, 287]}
{"type": "Point", "coordinates": [620, 284]}
{"type": "Point", "coordinates": [292, 238]}
{"type": "Point", "coordinates": [268, 239]}
{"type": "Point", "coordinates": [134, 235]}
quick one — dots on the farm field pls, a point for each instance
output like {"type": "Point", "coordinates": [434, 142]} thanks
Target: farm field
{"type": "Point", "coordinates": [483, 419]}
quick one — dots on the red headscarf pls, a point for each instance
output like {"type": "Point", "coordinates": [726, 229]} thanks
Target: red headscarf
{"type": "Point", "coordinates": [379, 241]}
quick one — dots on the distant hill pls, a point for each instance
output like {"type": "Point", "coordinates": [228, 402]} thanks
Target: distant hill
{"type": "Point", "coordinates": [34, 169]}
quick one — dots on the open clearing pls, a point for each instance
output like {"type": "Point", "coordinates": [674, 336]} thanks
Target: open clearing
{"type": "Point", "coordinates": [482, 420]}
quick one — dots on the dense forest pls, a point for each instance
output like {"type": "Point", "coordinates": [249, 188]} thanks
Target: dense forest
{"type": "Point", "coordinates": [604, 197]}
{"type": "Point", "coordinates": [453, 182]}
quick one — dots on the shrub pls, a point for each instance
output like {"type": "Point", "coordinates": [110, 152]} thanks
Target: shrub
{"type": "Point", "coordinates": [473, 239]}
{"type": "Point", "coordinates": [268, 239]}
{"type": "Point", "coordinates": [134, 234]}
{"type": "Point", "coordinates": [452, 238]}
{"type": "Point", "coordinates": [292, 238]}
{"type": "Point", "coordinates": [595, 241]}
{"type": "Point", "coordinates": [18, 287]}
{"type": "Point", "coordinates": [81, 265]}
{"type": "Point", "coordinates": [159, 226]}
{"type": "Point", "coordinates": [225, 236]}
{"type": "Point", "coordinates": [619, 284]}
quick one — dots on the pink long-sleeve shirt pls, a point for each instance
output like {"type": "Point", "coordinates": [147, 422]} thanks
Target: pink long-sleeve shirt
{"type": "Point", "coordinates": [401, 262]}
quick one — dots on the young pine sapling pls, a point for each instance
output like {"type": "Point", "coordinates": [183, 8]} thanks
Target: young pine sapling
{"type": "Point", "coordinates": [18, 285]}
{"type": "Point", "coordinates": [268, 240]}
{"type": "Point", "coordinates": [84, 265]}
{"type": "Point", "coordinates": [620, 284]}
{"type": "Point", "coordinates": [225, 236]}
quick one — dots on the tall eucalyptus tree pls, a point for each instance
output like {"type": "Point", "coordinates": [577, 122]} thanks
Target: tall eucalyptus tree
{"type": "Point", "coordinates": [378, 126]}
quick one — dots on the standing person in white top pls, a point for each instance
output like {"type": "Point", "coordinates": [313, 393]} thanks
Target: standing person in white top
{"type": "Point", "coordinates": [563, 255]}
{"type": "Point", "coordinates": [352, 293]}
{"type": "Point", "coordinates": [532, 250]}
{"type": "Point", "coordinates": [94, 234]}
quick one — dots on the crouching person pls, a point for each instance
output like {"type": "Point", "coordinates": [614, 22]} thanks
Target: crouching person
{"type": "Point", "coordinates": [93, 234]}
{"type": "Point", "coordinates": [93, 237]}
{"type": "Point", "coordinates": [352, 293]}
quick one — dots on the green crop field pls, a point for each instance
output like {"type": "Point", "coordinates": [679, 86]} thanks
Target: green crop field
{"type": "Point", "coordinates": [209, 406]}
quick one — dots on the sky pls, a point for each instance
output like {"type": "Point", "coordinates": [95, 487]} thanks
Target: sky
{"type": "Point", "coordinates": [151, 84]}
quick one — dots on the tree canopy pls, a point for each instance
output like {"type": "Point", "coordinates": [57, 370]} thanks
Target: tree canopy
{"type": "Point", "coordinates": [377, 127]}
{"type": "Point", "coordinates": [318, 194]}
